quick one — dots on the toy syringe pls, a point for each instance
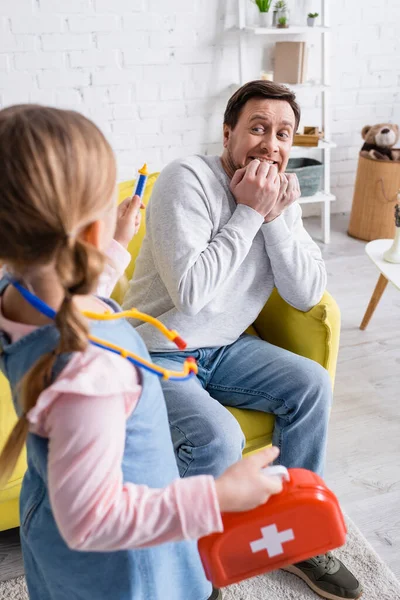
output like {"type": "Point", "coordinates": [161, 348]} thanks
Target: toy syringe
{"type": "Point", "coordinates": [143, 174]}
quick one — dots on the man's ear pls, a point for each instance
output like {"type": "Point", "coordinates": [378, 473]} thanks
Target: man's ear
{"type": "Point", "coordinates": [227, 133]}
{"type": "Point", "coordinates": [92, 234]}
{"type": "Point", "coordinates": [364, 131]}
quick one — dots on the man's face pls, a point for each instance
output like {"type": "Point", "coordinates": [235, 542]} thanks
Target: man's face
{"type": "Point", "coordinates": [265, 130]}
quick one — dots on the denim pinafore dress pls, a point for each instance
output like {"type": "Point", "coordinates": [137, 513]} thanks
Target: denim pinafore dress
{"type": "Point", "coordinates": [170, 571]}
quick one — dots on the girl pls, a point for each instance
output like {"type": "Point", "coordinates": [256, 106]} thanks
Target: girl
{"type": "Point", "coordinates": [101, 471]}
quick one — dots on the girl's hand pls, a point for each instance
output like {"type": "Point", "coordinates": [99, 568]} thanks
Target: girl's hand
{"type": "Point", "coordinates": [128, 220]}
{"type": "Point", "coordinates": [243, 486]}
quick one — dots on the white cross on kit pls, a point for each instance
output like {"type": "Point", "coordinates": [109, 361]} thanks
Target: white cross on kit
{"type": "Point", "coordinates": [272, 540]}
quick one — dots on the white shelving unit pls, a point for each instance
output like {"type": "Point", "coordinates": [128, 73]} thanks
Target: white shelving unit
{"type": "Point", "coordinates": [295, 30]}
{"type": "Point", "coordinates": [323, 88]}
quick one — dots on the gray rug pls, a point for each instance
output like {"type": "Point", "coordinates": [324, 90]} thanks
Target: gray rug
{"type": "Point", "coordinates": [379, 582]}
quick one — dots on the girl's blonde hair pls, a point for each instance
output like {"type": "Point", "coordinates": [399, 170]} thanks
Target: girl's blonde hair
{"type": "Point", "coordinates": [57, 175]}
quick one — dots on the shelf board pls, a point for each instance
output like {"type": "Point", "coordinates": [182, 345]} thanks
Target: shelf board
{"type": "Point", "coordinates": [295, 30]}
{"type": "Point", "coordinates": [318, 197]}
{"type": "Point", "coordinates": [322, 145]}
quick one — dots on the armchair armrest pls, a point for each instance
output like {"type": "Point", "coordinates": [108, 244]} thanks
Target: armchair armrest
{"type": "Point", "coordinates": [313, 334]}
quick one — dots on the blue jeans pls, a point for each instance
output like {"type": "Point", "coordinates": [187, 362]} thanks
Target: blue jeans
{"type": "Point", "coordinates": [251, 374]}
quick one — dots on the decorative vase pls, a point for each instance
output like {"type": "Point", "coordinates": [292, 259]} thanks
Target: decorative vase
{"type": "Point", "coordinates": [265, 19]}
{"type": "Point", "coordinates": [393, 254]}
{"type": "Point", "coordinates": [310, 21]}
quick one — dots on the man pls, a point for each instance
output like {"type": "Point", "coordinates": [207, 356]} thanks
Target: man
{"type": "Point", "coordinates": [222, 232]}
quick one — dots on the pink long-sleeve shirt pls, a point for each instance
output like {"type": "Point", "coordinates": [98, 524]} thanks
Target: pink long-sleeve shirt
{"type": "Point", "coordinates": [83, 414]}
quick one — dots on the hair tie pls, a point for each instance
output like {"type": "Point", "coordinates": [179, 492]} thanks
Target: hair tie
{"type": "Point", "coordinates": [70, 235]}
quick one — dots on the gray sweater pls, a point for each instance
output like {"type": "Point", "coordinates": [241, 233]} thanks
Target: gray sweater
{"type": "Point", "coordinates": [207, 266]}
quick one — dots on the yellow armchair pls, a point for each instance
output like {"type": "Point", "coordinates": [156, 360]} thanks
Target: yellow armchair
{"type": "Point", "coordinates": [314, 334]}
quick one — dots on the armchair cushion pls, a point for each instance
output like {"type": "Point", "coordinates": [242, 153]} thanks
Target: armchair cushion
{"type": "Point", "coordinates": [9, 494]}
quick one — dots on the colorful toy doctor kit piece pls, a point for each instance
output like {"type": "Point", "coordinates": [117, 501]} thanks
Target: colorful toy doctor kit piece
{"type": "Point", "coordinates": [189, 366]}
{"type": "Point", "coordinates": [141, 183]}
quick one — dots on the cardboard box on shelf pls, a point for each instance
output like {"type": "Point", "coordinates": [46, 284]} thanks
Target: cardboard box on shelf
{"type": "Point", "coordinates": [290, 62]}
{"type": "Point", "coordinates": [309, 137]}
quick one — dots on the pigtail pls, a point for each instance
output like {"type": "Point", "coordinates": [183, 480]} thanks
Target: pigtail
{"type": "Point", "coordinates": [12, 449]}
{"type": "Point", "coordinates": [79, 266]}
{"type": "Point", "coordinates": [36, 380]}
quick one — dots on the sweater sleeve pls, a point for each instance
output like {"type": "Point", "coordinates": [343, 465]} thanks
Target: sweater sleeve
{"type": "Point", "coordinates": [296, 260]}
{"type": "Point", "coordinates": [118, 260]}
{"type": "Point", "coordinates": [193, 262]}
{"type": "Point", "coordinates": [94, 509]}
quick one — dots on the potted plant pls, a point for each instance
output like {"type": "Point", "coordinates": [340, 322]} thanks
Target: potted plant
{"type": "Point", "coordinates": [265, 15]}
{"type": "Point", "coordinates": [282, 14]}
{"type": "Point", "coordinates": [282, 23]}
{"type": "Point", "coordinates": [311, 19]}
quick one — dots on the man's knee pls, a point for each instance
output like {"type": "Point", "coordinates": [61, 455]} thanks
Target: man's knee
{"type": "Point", "coordinates": [316, 383]}
{"type": "Point", "coordinates": [215, 446]}
{"type": "Point", "coordinates": [229, 440]}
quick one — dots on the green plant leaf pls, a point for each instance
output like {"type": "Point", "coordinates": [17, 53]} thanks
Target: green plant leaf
{"type": "Point", "coordinates": [263, 5]}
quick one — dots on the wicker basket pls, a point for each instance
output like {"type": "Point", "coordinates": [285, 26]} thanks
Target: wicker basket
{"type": "Point", "coordinates": [375, 194]}
{"type": "Point", "coordinates": [309, 172]}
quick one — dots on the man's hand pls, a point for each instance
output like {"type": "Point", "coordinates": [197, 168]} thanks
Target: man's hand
{"type": "Point", "coordinates": [256, 186]}
{"type": "Point", "coordinates": [128, 220]}
{"type": "Point", "coordinates": [289, 192]}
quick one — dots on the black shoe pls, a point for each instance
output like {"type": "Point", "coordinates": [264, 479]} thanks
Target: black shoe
{"type": "Point", "coordinates": [216, 594]}
{"type": "Point", "coordinates": [328, 577]}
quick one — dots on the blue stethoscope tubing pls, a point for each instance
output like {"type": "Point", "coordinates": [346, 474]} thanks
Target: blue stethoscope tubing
{"type": "Point", "coordinates": [48, 312]}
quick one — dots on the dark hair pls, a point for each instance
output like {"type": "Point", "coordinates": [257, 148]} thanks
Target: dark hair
{"type": "Point", "coordinates": [259, 89]}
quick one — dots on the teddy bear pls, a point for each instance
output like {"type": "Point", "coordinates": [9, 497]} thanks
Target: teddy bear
{"type": "Point", "coordinates": [379, 142]}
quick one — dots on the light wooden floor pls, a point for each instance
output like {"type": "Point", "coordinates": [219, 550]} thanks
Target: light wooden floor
{"type": "Point", "coordinates": [364, 442]}
{"type": "Point", "coordinates": [363, 465]}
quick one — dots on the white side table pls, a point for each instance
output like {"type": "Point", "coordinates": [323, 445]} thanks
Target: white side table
{"type": "Point", "coordinates": [389, 272]}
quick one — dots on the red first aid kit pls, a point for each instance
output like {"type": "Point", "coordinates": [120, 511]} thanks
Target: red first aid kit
{"type": "Point", "coordinates": [302, 521]}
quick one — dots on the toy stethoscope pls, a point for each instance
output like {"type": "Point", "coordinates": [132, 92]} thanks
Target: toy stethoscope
{"type": "Point", "coordinates": [189, 365]}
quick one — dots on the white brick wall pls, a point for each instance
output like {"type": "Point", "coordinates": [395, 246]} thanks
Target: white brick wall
{"type": "Point", "coordinates": [366, 71]}
{"type": "Point", "coordinates": [156, 75]}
